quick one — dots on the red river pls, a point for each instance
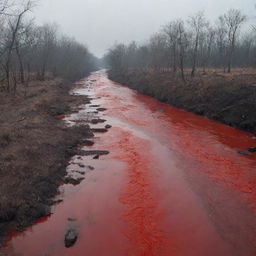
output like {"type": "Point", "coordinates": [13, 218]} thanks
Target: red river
{"type": "Point", "coordinates": [172, 185]}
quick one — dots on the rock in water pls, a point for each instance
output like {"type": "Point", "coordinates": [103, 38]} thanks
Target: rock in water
{"type": "Point", "coordinates": [70, 237]}
{"type": "Point", "coordinates": [96, 121]}
{"type": "Point", "coordinates": [87, 142]}
{"type": "Point", "coordinates": [74, 181]}
{"type": "Point", "coordinates": [252, 149]}
{"type": "Point", "coordinates": [101, 109]}
{"type": "Point", "coordinates": [71, 219]}
{"type": "Point", "coordinates": [244, 152]}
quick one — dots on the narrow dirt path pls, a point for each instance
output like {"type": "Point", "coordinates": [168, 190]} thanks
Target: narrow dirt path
{"type": "Point", "coordinates": [172, 184]}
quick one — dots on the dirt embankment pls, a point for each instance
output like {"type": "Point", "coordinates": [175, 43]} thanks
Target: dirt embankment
{"type": "Point", "coordinates": [228, 98]}
{"type": "Point", "coordinates": [35, 146]}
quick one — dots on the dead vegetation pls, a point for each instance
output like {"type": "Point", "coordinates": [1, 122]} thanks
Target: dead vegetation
{"type": "Point", "coordinates": [34, 148]}
{"type": "Point", "coordinates": [226, 97]}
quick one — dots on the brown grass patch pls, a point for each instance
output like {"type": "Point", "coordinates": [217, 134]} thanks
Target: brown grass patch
{"type": "Point", "coordinates": [34, 148]}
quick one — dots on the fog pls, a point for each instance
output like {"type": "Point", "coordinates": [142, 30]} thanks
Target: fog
{"type": "Point", "coordinates": [101, 23]}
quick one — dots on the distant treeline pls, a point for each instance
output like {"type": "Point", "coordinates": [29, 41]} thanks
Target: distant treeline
{"type": "Point", "coordinates": [190, 44]}
{"type": "Point", "coordinates": [29, 51]}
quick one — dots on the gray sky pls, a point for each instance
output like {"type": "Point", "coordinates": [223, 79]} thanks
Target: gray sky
{"type": "Point", "coordinates": [101, 23]}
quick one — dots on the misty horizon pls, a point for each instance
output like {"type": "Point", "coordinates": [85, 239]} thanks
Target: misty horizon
{"type": "Point", "coordinates": [99, 25]}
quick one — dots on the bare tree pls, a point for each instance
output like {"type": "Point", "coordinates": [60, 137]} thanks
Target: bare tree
{"type": "Point", "coordinates": [182, 46]}
{"type": "Point", "coordinates": [208, 43]}
{"type": "Point", "coordinates": [198, 45]}
{"type": "Point", "coordinates": [233, 19]}
{"type": "Point", "coordinates": [158, 49]}
{"type": "Point", "coordinates": [14, 25]}
{"type": "Point", "coordinates": [172, 30]}
{"type": "Point", "coordinates": [116, 56]}
{"type": "Point", "coordinates": [24, 47]}
{"type": "Point", "coordinates": [221, 41]}
{"type": "Point", "coordinates": [197, 24]}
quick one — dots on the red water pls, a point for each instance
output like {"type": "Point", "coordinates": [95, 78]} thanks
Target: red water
{"type": "Point", "coordinates": [173, 184]}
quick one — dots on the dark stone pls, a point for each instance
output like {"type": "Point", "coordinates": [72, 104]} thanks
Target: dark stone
{"type": "Point", "coordinates": [94, 121]}
{"type": "Point", "coordinates": [96, 157]}
{"type": "Point", "coordinates": [99, 130]}
{"type": "Point", "coordinates": [81, 165]}
{"type": "Point", "coordinates": [244, 152]}
{"type": "Point", "coordinates": [73, 181]}
{"type": "Point", "coordinates": [82, 173]}
{"type": "Point", "coordinates": [94, 106]}
{"type": "Point", "coordinates": [101, 109]}
{"type": "Point", "coordinates": [87, 142]}
{"type": "Point", "coordinates": [71, 237]}
{"type": "Point", "coordinates": [108, 126]}
{"type": "Point", "coordinates": [98, 120]}
{"type": "Point", "coordinates": [252, 149]}
{"type": "Point", "coordinates": [93, 152]}
{"type": "Point", "coordinates": [71, 219]}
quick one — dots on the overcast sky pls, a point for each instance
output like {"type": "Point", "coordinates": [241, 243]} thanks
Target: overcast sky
{"type": "Point", "coordinates": [101, 23]}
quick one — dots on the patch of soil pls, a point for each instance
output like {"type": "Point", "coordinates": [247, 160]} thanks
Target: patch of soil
{"type": "Point", "coordinates": [35, 146]}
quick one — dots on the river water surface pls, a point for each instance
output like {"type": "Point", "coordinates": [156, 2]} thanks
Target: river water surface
{"type": "Point", "coordinates": [172, 185]}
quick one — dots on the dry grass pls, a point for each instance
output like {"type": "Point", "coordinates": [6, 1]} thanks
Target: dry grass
{"type": "Point", "coordinates": [34, 147]}
{"type": "Point", "coordinates": [229, 98]}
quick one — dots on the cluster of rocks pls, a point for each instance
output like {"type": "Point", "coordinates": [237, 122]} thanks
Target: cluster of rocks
{"type": "Point", "coordinates": [71, 234]}
{"type": "Point", "coordinates": [70, 237]}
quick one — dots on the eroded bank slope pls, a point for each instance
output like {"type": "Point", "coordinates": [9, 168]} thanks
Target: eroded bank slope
{"type": "Point", "coordinates": [228, 98]}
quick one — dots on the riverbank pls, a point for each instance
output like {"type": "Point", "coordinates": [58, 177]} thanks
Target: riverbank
{"type": "Point", "coordinates": [227, 98]}
{"type": "Point", "coordinates": [35, 148]}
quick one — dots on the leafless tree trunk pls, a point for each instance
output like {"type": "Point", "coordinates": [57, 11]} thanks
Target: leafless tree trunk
{"type": "Point", "coordinates": [233, 20]}
{"type": "Point", "coordinates": [22, 78]}
{"type": "Point", "coordinates": [171, 31]}
{"type": "Point", "coordinates": [14, 30]}
{"type": "Point", "coordinates": [197, 23]}
{"type": "Point", "coordinates": [181, 41]}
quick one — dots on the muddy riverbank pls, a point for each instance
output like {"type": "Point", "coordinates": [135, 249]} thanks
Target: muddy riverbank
{"type": "Point", "coordinates": [227, 98]}
{"type": "Point", "coordinates": [35, 147]}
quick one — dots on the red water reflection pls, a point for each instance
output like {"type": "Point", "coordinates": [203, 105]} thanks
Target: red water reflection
{"type": "Point", "coordinates": [173, 184]}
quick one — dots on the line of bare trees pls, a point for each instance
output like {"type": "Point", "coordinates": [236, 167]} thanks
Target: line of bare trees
{"type": "Point", "coordinates": [191, 44]}
{"type": "Point", "coordinates": [29, 51]}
